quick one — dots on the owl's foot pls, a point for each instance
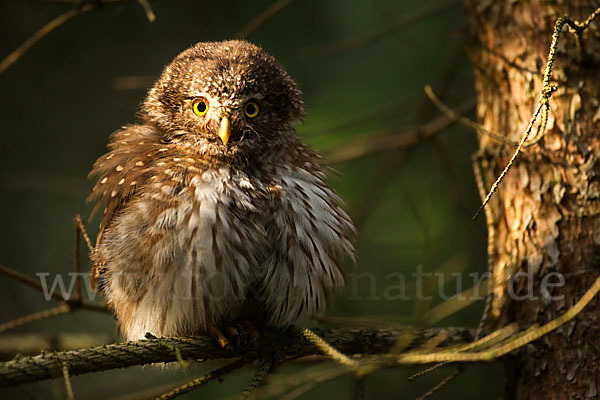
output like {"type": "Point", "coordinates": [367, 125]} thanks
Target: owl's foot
{"type": "Point", "coordinates": [232, 336]}
{"type": "Point", "coordinates": [218, 335]}
{"type": "Point", "coordinates": [251, 329]}
{"type": "Point", "coordinates": [238, 334]}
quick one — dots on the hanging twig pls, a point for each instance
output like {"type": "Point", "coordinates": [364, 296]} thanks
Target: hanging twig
{"type": "Point", "coordinates": [543, 106]}
{"type": "Point", "coordinates": [510, 162]}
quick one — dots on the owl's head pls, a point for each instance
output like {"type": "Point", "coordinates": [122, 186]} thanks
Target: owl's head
{"type": "Point", "coordinates": [224, 98]}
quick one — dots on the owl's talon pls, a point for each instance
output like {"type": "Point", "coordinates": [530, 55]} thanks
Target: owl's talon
{"type": "Point", "coordinates": [216, 333]}
{"type": "Point", "coordinates": [233, 334]}
{"type": "Point", "coordinates": [251, 329]}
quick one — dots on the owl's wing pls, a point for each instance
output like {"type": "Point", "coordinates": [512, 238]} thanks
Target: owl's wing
{"type": "Point", "coordinates": [119, 175]}
{"type": "Point", "coordinates": [310, 235]}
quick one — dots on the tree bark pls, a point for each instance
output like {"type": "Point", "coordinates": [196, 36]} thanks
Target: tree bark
{"type": "Point", "coordinates": [545, 216]}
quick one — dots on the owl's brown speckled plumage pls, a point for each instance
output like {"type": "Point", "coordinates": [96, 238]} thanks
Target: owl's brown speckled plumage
{"type": "Point", "coordinates": [216, 216]}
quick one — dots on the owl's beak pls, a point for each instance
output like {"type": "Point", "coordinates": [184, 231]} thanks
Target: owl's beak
{"type": "Point", "coordinates": [224, 130]}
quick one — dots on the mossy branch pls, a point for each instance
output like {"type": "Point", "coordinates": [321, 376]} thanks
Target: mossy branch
{"type": "Point", "coordinates": [290, 345]}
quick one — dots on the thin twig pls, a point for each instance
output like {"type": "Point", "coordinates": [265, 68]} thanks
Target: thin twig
{"type": "Point", "coordinates": [440, 385]}
{"type": "Point", "coordinates": [27, 393]}
{"type": "Point", "coordinates": [193, 384]}
{"type": "Point", "coordinates": [46, 29]}
{"type": "Point", "coordinates": [426, 371]}
{"type": "Point", "coordinates": [492, 338]}
{"type": "Point", "coordinates": [257, 379]}
{"type": "Point", "coordinates": [77, 287]}
{"type": "Point", "coordinates": [391, 161]}
{"type": "Point", "coordinates": [514, 65]}
{"type": "Point", "coordinates": [308, 381]}
{"type": "Point", "coordinates": [79, 222]}
{"type": "Point", "coordinates": [263, 17]}
{"type": "Point", "coordinates": [362, 39]}
{"type": "Point", "coordinates": [151, 392]}
{"type": "Point", "coordinates": [73, 303]}
{"type": "Point", "coordinates": [510, 162]}
{"type": "Point", "coordinates": [394, 141]}
{"type": "Point", "coordinates": [69, 304]}
{"type": "Point", "coordinates": [328, 349]}
{"type": "Point", "coordinates": [389, 165]}
{"type": "Point", "coordinates": [360, 390]}
{"type": "Point", "coordinates": [497, 344]}
{"type": "Point", "coordinates": [508, 346]}
{"type": "Point", "coordinates": [148, 10]}
{"type": "Point", "coordinates": [80, 7]}
{"type": "Point", "coordinates": [456, 116]}
{"type": "Point", "coordinates": [27, 319]}
{"type": "Point", "coordinates": [355, 121]}
{"type": "Point", "coordinates": [20, 277]}
{"type": "Point", "coordinates": [67, 379]}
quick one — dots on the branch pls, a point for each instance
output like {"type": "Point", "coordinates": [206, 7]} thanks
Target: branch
{"type": "Point", "coordinates": [291, 345]}
{"type": "Point", "coordinates": [364, 39]}
{"type": "Point", "coordinates": [26, 279]}
{"type": "Point", "coordinates": [263, 17]}
{"type": "Point", "coordinates": [80, 7]}
{"type": "Point", "coordinates": [410, 137]}
{"type": "Point", "coordinates": [69, 304]}
{"type": "Point", "coordinates": [390, 163]}
{"type": "Point", "coordinates": [148, 10]}
{"type": "Point", "coordinates": [38, 316]}
{"type": "Point", "coordinates": [46, 29]}
{"type": "Point", "coordinates": [73, 303]}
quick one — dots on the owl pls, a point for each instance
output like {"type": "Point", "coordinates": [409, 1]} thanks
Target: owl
{"type": "Point", "coordinates": [215, 212]}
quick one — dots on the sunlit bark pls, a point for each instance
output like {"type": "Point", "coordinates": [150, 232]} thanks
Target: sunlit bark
{"type": "Point", "coordinates": [546, 214]}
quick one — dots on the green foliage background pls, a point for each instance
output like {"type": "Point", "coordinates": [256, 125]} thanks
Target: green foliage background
{"type": "Point", "coordinates": [59, 103]}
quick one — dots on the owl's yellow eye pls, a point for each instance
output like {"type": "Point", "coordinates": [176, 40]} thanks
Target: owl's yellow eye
{"type": "Point", "coordinates": [200, 106]}
{"type": "Point", "coordinates": [251, 109]}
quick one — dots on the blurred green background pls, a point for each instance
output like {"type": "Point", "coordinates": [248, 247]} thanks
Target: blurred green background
{"type": "Point", "coordinates": [62, 99]}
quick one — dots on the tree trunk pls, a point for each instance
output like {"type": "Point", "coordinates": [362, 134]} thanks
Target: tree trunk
{"type": "Point", "coordinates": [545, 216]}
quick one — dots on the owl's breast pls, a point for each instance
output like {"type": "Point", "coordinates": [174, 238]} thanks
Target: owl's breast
{"type": "Point", "coordinates": [193, 248]}
{"type": "Point", "coordinates": [218, 219]}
